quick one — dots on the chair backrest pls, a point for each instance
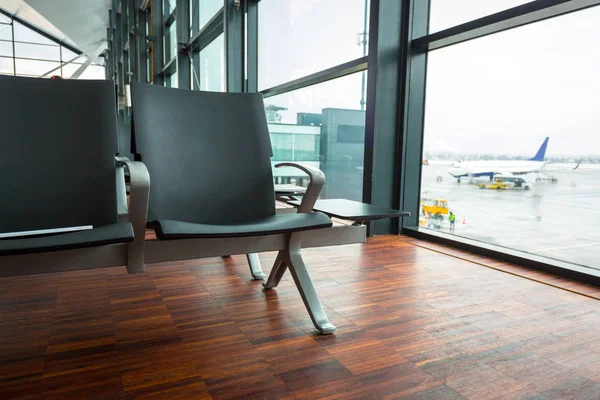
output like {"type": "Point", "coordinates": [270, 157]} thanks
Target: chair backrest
{"type": "Point", "coordinates": [58, 139]}
{"type": "Point", "coordinates": [208, 154]}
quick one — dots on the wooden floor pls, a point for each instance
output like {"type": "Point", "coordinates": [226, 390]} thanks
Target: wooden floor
{"type": "Point", "coordinates": [413, 323]}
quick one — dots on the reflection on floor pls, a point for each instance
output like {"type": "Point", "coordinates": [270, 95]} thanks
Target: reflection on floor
{"type": "Point", "coordinates": [412, 323]}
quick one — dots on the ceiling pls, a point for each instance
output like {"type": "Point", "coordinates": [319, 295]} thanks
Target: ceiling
{"type": "Point", "coordinates": [80, 23]}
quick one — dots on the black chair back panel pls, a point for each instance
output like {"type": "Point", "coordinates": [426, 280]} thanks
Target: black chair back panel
{"type": "Point", "coordinates": [58, 139]}
{"type": "Point", "coordinates": [208, 154]}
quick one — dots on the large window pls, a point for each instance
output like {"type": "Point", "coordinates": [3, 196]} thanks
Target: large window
{"type": "Point", "coordinates": [315, 121]}
{"type": "Point", "coordinates": [170, 42]}
{"type": "Point", "coordinates": [38, 56]}
{"type": "Point", "coordinates": [207, 44]}
{"type": "Point", "coordinates": [300, 37]}
{"type": "Point", "coordinates": [312, 126]}
{"type": "Point", "coordinates": [212, 66]}
{"type": "Point", "coordinates": [490, 105]}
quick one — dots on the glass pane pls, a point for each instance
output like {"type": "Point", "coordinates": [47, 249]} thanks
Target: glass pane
{"type": "Point", "coordinates": [6, 49]}
{"type": "Point", "coordinates": [491, 104]}
{"type": "Point", "coordinates": [93, 72]}
{"type": "Point", "coordinates": [42, 52]}
{"type": "Point", "coordinates": [299, 37]}
{"type": "Point", "coordinates": [7, 66]}
{"type": "Point", "coordinates": [173, 40]}
{"type": "Point", "coordinates": [69, 70]}
{"type": "Point", "coordinates": [169, 6]}
{"type": "Point", "coordinates": [445, 14]}
{"type": "Point", "coordinates": [212, 66]}
{"type": "Point", "coordinates": [34, 67]}
{"type": "Point", "coordinates": [208, 9]}
{"type": "Point", "coordinates": [24, 34]}
{"type": "Point", "coordinates": [5, 32]}
{"type": "Point", "coordinates": [328, 130]}
{"type": "Point", "coordinates": [170, 42]}
{"type": "Point", "coordinates": [68, 55]}
{"type": "Point", "coordinates": [4, 19]}
{"type": "Point", "coordinates": [171, 81]}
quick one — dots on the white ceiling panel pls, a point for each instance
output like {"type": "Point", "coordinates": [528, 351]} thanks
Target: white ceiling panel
{"type": "Point", "coordinates": [80, 23]}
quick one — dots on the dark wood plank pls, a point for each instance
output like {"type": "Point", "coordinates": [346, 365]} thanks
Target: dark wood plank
{"type": "Point", "coordinates": [415, 321]}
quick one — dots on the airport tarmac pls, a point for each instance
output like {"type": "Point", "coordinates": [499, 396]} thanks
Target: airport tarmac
{"type": "Point", "coordinates": [560, 220]}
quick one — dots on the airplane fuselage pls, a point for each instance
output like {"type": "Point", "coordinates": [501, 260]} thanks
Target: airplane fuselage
{"type": "Point", "coordinates": [490, 168]}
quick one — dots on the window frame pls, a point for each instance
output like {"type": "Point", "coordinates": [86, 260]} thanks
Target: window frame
{"type": "Point", "coordinates": [413, 114]}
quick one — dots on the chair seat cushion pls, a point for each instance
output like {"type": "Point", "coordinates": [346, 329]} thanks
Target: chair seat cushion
{"type": "Point", "coordinates": [284, 223]}
{"type": "Point", "coordinates": [121, 232]}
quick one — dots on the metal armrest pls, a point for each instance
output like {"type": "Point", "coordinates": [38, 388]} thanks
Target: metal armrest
{"type": "Point", "coordinates": [317, 181]}
{"type": "Point", "coordinates": [120, 160]}
{"type": "Point", "coordinates": [139, 193]}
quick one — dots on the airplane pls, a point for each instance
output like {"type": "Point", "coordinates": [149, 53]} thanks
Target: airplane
{"type": "Point", "coordinates": [476, 169]}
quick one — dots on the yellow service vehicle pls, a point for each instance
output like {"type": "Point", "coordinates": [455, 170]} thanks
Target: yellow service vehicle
{"type": "Point", "coordinates": [434, 207]}
{"type": "Point", "coordinates": [498, 184]}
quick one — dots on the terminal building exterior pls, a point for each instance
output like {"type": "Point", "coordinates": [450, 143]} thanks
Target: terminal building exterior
{"type": "Point", "coordinates": [332, 141]}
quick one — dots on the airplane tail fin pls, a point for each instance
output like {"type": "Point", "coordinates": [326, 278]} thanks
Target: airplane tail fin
{"type": "Point", "coordinates": [541, 154]}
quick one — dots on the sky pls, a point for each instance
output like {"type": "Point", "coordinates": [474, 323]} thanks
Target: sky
{"type": "Point", "coordinates": [501, 94]}
{"type": "Point", "coordinates": [301, 37]}
{"type": "Point", "coordinates": [504, 93]}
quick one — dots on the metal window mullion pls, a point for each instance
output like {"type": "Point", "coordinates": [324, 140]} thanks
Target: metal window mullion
{"type": "Point", "coordinates": [157, 41]}
{"type": "Point", "coordinates": [234, 46]}
{"type": "Point", "coordinates": [32, 59]}
{"type": "Point", "coordinates": [111, 41]}
{"type": "Point", "coordinates": [118, 48]}
{"type": "Point", "coordinates": [208, 33]}
{"type": "Point", "coordinates": [194, 55]}
{"type": "Point", "coordinates": [382, 134]}
{"type": "Point", "coordinates": [182, 8]}
{"type": "Point", "coordinates": [341, 70]}
{"type": "Point", "coordinates": [170, 68]}
{"type": "Point", "coordinates": [12, 27]}
{"type": "Point", "coordinates": [252, 43]}
{"type": "Point", "coordinates": [413, 114]}
{"type": "Point", "coordinates": [133, 42]}
{"type": "Point", "coordinates": [34, 43]}
{"type": "Point", "coordinates": [109, 52]}
{"type": "Point", "coordinates": [171, 18]}
{"type": "Point", "coordinates": [141, 45]}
